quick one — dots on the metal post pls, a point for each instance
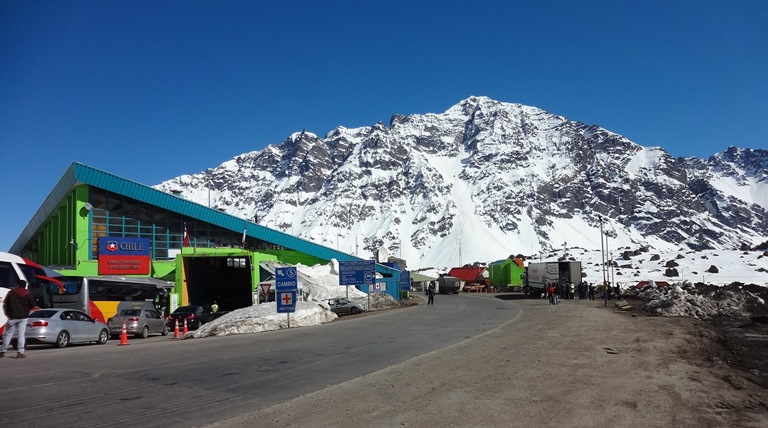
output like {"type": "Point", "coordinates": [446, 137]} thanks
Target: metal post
{"type": "Point", "coordinates": [607, 258]}
{"type": "Point", "coordinates": [602, 251]}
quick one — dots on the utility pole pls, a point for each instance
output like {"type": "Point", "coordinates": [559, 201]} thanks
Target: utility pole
{"type": "Point", "coordinates": [607, 257]}
{"type": "Point", "coordinates": [602, 250]}
{"type": "Point", "coordinates": [208, 185]}
{"type": "Point", "coordinates": [459, 251]}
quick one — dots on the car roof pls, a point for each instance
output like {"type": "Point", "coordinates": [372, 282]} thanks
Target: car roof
{"type": "Point", "coordinates": [57, 310]}
{"type": "Point", "coordinates": [52, 312]}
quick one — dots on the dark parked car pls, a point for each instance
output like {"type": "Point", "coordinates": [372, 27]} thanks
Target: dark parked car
{"type": "Point", "coordinates": [195, 316]}
{"type": "Point", "coordinates": [343, 305]}
{"type": "Point", "coordinates": [61, 326]}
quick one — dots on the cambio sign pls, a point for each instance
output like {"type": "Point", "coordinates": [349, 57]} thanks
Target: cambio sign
{"type": "Point", "coordinates": [124, 256]}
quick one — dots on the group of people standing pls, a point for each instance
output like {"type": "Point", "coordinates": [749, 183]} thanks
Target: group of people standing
{"type": "Point", "coordinates": [567, 291]}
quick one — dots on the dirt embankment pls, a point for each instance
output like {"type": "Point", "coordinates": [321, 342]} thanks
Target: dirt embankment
{"type": "Point", "coordinates": [578, 364]}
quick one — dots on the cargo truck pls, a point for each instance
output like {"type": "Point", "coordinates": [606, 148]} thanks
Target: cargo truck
{"type": "Point", "coordinates": [538, 275]}
{"type": "Point", "coordinates": [447, 284]}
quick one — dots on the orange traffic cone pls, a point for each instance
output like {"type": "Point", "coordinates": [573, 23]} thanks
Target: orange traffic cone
{"type": "Point", "coordinates": [185, 326]}
{"type": "Point", "coordinates": [123, 336]}
{"type": "Point", "coordinates": [176, 330]}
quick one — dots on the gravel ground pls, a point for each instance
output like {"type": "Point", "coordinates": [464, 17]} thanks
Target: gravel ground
{"type": "Point", "coordinates": [578, 364]}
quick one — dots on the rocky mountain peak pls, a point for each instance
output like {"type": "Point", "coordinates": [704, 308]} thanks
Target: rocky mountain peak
{"type": "Point", "coordinates": [485, 179]}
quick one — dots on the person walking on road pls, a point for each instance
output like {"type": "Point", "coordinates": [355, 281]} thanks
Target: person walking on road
{"type": "Point", "coordinates": [16, 306]}
{"type": "Point", "coordinates": [431, 295]}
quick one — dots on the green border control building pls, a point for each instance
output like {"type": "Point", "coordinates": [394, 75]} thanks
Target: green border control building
{"type": "Point", "coordinates": [221, 258]}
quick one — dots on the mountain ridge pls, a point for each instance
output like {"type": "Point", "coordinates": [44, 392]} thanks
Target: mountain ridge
{"type": "Point", "coordinates": [486, 179]}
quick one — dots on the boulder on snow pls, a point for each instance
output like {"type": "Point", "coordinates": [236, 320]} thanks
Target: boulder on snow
{"type": "Point", "coordinates": [713, 269]}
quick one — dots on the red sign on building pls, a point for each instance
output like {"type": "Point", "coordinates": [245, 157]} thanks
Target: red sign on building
{"type": "Point", "coordinates": [124, 256]}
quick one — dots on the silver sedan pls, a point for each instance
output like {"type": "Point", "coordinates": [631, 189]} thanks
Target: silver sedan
{"type": "Point", "coordinates": [139, 322]}
{"type": "Point", "coordinates": [61, 327]}
{"type": "Point", "coordinates": [345, 306]}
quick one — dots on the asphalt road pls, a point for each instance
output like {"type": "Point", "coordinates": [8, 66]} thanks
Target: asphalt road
{"type": "Point", "coordinates": [164, 382]}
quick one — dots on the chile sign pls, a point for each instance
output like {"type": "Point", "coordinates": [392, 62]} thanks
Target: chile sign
{"type": "Point", "coordinates": [123, 256]}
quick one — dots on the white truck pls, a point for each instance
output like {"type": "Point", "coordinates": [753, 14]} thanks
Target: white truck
{"type": "Point", "coordinates": [538, 275]}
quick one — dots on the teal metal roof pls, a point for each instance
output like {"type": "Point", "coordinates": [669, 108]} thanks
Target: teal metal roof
{"type": "Point", "coordinates": [78, 174]}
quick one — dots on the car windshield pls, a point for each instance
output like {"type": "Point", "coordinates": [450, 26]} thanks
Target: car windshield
{"type": "Point", "coordinates": [42, 314]}
{"type": "Point", "coordinates": [130, 312]}
{"type": "Point", "coordinates": [184, 309]}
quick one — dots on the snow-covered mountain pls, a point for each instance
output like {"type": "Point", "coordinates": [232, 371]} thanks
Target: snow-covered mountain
{"type": "Point", "coordinates": [485, 180]}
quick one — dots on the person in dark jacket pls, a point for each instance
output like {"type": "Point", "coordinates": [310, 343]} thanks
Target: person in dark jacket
{"type": "Point", "coordinates": [16, 306]}
{"type": "Point", "coordinates": [431, 295]}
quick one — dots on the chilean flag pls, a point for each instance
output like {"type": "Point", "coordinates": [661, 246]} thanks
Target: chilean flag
{"type": "Point", "coordinates": [186, 236]}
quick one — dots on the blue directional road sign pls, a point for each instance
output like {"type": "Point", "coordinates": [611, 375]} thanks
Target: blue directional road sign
{"type": "Point", "coordinates": [357, 272]}
{"type": "Point", "coordinates": [405, 280]}
{"type": "Point", "coordinates": [286, 301]}
{"type": "Point", "coordinates": [285, 279]}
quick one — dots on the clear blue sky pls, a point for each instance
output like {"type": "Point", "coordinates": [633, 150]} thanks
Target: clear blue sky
{"type": "Point", "coordinates": [150, 90]}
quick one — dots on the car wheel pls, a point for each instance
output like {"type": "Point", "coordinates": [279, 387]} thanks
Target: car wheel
{"type": "Point", "coordinates": [144, 333]}
{"type": "Point", "coordinates": [103, 336]}
{"type": "Point", "coordinates": [165, 330]}
{"type": "Point", "coordinates": [354, 310]}
{"type": "Point", "coordinates": [62, 340]}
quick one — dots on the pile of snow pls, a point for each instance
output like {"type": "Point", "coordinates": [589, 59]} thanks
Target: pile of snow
{"type": "Point", "coordinates": [702, 301]}
{"type": "Point", "coordinates": [321, 282]}
{"type": "Point", "coordinates": [264, 317]}
{"type": "Point", "coordinates": [708, 283]}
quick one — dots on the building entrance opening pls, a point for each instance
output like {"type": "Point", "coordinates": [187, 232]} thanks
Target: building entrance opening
{"type": "Point", "coordinates": [224, 280]}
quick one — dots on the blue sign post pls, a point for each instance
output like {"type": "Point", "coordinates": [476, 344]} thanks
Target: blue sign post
{"type": "Point", "coordinates": [285, 291]}
{"type": "Point", "coordinates": [405, 280]}
{"type": "Point", "coordinates": [286, 302]}
{"type": "Point", "coordinates": [285, 279]}
{"type": "Point", "coordinates": [356, 272]}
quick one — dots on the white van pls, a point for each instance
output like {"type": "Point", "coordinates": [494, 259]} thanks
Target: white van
{"type": "Point", "coordinates": [13, 268]}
